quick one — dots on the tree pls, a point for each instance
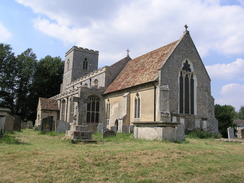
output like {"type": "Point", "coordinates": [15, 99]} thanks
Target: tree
{"type": "Point", "coordinates": [225, 115]}
{"type": "Point", "coordinates": [47, 80]}
{"type": "Point", "coordinates": [26, 66]}
{"type": "Point", "coordinates": [8, 72]}
{"type": "Point", "coordinates": [48, 76]}
{"type": "Point", "coordinates": [241, 113]}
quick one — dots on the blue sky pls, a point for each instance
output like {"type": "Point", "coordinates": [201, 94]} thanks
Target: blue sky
{"type": "Point", "coordinates": [51, 27]}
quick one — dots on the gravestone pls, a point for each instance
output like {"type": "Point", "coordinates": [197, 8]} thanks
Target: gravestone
{"type": "Point", "coordinates": [2, 125]}
{"type": "Point", "coordinates": [47, 124]}
{"type": "Point", "coordinates": [38, 127]}
{"type": "Point", "coordinates": [23, 125]}
{"type": "Point", "coordinates": [109, 133]}
{"type": "Point", "coordinates": [29, 124]}
{"type": "Point", "coordinates": [230, 132]}
{"type": "Point", "coordinates": [62, 126]}
{"type": "Point", "coordinates": [113, 128]}
{"type": "Point", "coordinates": [17, 123]}
{"type": "Point", "coordinates": [131, 129]}
{"type": "Point", "coordinates": [100, 128]}
{"type": "Point", "coordinates": [180, 130]}
{"type": "Point", "coordinates": [9, 123]}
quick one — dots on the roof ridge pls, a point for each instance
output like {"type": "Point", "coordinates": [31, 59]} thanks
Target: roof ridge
{"type": "Point", "coordinates": [142, 69]}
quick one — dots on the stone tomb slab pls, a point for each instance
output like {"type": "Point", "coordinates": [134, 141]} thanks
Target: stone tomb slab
{"type": "Point", "coordinates": [109, 133]}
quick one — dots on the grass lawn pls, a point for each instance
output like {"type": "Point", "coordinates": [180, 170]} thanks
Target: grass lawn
{"type": "Point", "coordinates": [46, 158]}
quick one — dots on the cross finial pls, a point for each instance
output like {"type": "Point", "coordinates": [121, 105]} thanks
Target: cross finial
{"type": "Point", "coordinates": [186, 27]}
{"type": "Point", "coordinates": [128, 51]}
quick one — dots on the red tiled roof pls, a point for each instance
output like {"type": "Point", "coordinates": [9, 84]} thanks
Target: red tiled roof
{"type": "Point", "coordinates": [239, 122]}
{"type": "Point", "coordinates": [142, 69]}
{"type": "Point", "coordinates": [48, 104]}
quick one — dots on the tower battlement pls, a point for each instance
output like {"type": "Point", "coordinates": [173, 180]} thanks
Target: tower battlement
{"type": "Point", "coordinates": [76, 48]}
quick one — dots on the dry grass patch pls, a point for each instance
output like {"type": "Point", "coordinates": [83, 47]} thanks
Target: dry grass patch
{"type": "Point", "coordinates": [45, 158]}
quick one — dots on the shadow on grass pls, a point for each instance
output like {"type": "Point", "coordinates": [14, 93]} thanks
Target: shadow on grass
{"type": "Point", "coordinates": [8, 138]}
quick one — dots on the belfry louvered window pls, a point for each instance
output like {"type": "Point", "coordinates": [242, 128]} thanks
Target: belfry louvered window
{"type": "Point", "coordinates": [92, 115]}
{"type": "Point", "coordinates": [137, 107]}
{"type": "Point", "coordinates": [186, 82]}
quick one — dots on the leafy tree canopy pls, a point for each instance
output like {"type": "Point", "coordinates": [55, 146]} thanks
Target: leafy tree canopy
{"type": "Point", "coordinates": [225, 115]}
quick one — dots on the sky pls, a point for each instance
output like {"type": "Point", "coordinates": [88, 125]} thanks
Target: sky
{"type": "Point", "coordinates": [52, 27]}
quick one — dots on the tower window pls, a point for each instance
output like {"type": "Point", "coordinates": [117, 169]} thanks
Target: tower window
{"type": "Point", "coordinates": [186, 86]}
{"type": "Point", "coordinates": [85, 64]}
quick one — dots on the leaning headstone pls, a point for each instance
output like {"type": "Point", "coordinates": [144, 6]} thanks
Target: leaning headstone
{"type": "Point", "coordinates": [100, 128]}
{"type": "Point", "coordinates": [23, 125]}
{"type": "Point", "coordinates": [47, 124]}
{"type": "Point", "coordinates": [17, 123]}
{"type": "Point", "coordinates": [230, 132]}
{"type": "Point", "coordinates": [29, 124]}
{"type": "Point", "coordinates": [62, 126]}
{"type": "Point", "coordinates": [109, 133]}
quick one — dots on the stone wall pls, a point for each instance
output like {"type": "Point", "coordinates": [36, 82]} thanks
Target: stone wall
{"type": "Point", "coordinates": [169, 76]}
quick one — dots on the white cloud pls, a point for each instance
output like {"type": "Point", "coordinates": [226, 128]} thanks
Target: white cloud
{"type": "Point", "coordinates": [229, 71]}
{"type": "Point", "coordinates": [232, 94]}
{"type": "Point", "coordinates": [5, 34]}
{"type": "Point", "coordinates": [141, 25]}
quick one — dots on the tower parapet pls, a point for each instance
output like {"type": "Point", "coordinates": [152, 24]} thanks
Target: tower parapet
{"type": "Point", "coordinates": [78, 62]}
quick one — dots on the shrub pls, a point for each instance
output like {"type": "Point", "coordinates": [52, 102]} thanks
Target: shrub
{"type": "Point", "coordinates": [202, 134]}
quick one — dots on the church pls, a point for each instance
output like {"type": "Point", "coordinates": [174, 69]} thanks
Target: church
{"type": "Point", "coordinates": [165, 91]}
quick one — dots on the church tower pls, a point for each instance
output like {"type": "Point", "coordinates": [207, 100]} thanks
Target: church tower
{"type": "Point", "coordinates": [78, 62]}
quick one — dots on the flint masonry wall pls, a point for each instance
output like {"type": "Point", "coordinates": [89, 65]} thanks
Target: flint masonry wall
{"type": "Point", "coordinates": [204, 102]}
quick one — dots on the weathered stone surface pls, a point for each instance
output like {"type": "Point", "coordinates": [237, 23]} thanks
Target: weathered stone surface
{"type": "Point", "coordinates": [17, 123]}
{"type": "Point", "coordinates": [131, 128]}
{"type": "Point", "coordinates": [62, 126]}
{"type": "Point", "coordinates": [79, 132]}
{"type": "Point", "coordinates": [23, 125]}
{"type": "Point", "coordinates": [47, 124]}
{"type": "Point", "coordinates": [180, 130]}
{"type": "Point", "coordinates": [29, 124]}
{"type": "Point", "coordinates": [100, 127]}
{"type": "Point", "coordinates": [9, 123]}
{"type": "Point", "coordinates": [156, 131]}
{"type": "Point", "coordinates": [2, 125]}
{"type": "Point", "coordinates": [230, 132]}
{"type": "Point", "coordinates": [109, 133]}
{"type": "Point", "coordinates": [38, 127]}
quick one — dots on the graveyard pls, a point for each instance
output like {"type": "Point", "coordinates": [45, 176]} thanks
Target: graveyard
{"type": "Point", "coordinates": [50, 157]}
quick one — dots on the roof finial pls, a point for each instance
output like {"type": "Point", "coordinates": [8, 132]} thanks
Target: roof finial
{"type": "Point", "coordinates": [186, 27]}
{"type": "Point", "coordinates": [128, 52]}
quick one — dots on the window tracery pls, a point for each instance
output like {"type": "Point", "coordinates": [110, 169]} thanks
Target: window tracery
{"type": "Point", "coordinates": [187, 95]}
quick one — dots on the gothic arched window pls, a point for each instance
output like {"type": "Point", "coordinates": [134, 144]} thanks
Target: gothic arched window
{"type": "Point", "coordinates": [85, 64]}
{"type": "Point", "coordinates": [92, 115]}
{"type": "Point", "coordinates": [137, 107]}
{"type": "Point", "coordinates": [108, 109]}
{"type": "Point", "coordinates": [186, 81]}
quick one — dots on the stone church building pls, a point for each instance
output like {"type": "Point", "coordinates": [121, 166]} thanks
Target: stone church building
{"type": "Point", "coordinates": [165, 89]}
